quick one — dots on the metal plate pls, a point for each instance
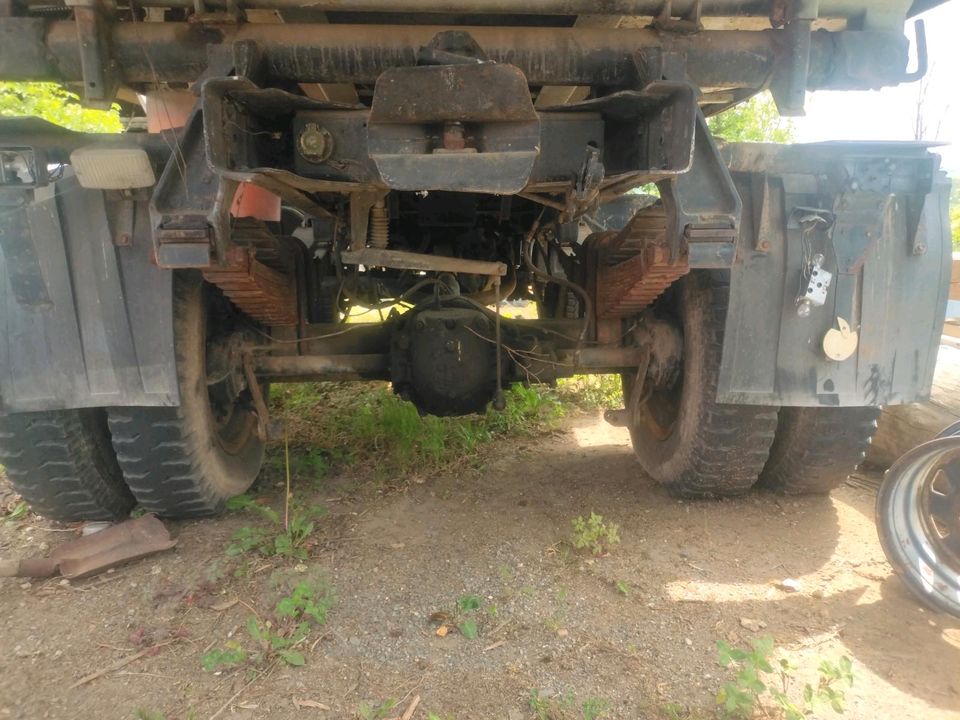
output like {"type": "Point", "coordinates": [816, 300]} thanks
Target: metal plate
{"type": "Point", "coordinates": [105, 335]}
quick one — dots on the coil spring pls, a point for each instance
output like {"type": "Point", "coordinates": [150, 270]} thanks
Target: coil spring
{"type": "Point", "coordinates": [379, 233]}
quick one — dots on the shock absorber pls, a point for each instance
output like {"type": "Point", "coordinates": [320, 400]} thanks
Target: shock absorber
{"type": "Point", "coordinates": [379, 233]}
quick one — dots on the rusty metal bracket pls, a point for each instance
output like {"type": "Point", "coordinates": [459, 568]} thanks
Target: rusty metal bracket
{"type": "Point", "coordinates": [789, 85]}
{"type": "Point", "coordinates": [100, 72]}
{"type": "Point", "coordinates": [687, 23]}
{"type": "Point", "coordinates": [259, 403]}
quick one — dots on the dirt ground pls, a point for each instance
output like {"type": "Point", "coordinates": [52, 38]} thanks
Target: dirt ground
{"type": "Point", "coordinates": [552, 620]}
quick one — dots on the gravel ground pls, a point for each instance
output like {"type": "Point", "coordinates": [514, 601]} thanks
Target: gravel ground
{"type": "Point", "coordinates": [634, 630]}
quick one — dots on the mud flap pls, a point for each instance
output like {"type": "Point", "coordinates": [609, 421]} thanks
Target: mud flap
{"type": "Point", "coordinates": [85, 317]}
{"type": "Point", "coordinates": [874, 215]}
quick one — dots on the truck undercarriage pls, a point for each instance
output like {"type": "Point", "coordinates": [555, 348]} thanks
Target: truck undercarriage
{"type": "Point", "coordinates": [427, 161]}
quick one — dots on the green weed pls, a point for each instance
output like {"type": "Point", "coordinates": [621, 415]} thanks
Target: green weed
{"type": "Point", "coordinates": [294, 614]}
{"type": "Point", "coordinates": [466, 603]}
{"type": "Point", "coordinates": [594, 534]}
{"type": "Point", "coordinates": [368, 711]}
{"type": "Point", "coordinates": [331, 426]}
{"type": "Point", "coordinates": [18, 512]}
{"type": "Point", "coordinates": [594, 708]}
{"type": "Point", "coordinates": [305, 602]}
{"type": "Point", "coordinates": [566, 706]}
{"type": "Point", "coordinates": [144, 714]}
{"type": "Point", "coordinates": [466, 606]}
{"type": "Point", "coordinates": [288, 543]}
{"type": "Point", "coordinates": [592, 392]}
{"type": "Point", "coordinates": [622, 587]}
{"type": "Point", "coordinates": [468, 628]}
{"type": "Point", "coordinates": [218, 658]}
{"type": "Point", "coordinates": [756, 682]}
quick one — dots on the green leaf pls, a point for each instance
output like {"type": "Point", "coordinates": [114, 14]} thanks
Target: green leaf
{"type": "Point", "coordinates": [292, 657]}
{"type": "Point", "coordinates": [468, 628]}
{"type": "Point", "coordinates": [253, 627]}
{"type": "Point", "coordinates": [466, 603]}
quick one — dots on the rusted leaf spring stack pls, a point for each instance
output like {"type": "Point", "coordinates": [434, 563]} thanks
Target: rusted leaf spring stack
{"type": "Point", "coordinates": [636, 267]}
{"type": "Point", "coordinates": [261, 292]}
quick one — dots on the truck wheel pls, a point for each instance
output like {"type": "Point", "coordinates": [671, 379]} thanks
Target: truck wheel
{"type": "Point", "coordinates": [62, 464]}
{"type": "Point", "coordinates": [187, 461]}
{"type": "Point", "coordinates": [816, 448]}
{"type": "Point", "coordinates": [681, 435]}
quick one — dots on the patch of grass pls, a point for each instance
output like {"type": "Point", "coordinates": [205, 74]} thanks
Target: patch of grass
{"type": "Point", "coordinates": [468, 628]}
{"type": "Point", "coordinates": [566, 707]}
{"type": "Point", "coordinates": [274, 541]}
{"type": "Point", "coordinates": [279, 639]}
{"type": "Point", "coordinates": [592, 392]}
{"type": "Point", "coordinates": [307, 601]}
{"type": "Point", "coordinates": [757, 683]}
{"type": "Point", "coordinates": [338, 425]}
{"type": "Point", "coordinates": [18, 512]}
{"type": "Point", "coordinates": [466, 603]}
{"type": "Point", "coordinates": [370, 711]}
{"type": "Point", "coordinates": [220, 658]}
{"type": "Point", "coordinates": [594, 534]}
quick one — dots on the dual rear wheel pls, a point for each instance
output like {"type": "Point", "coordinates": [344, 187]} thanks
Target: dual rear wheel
{"type": "Point", "coordinates": [182, 462]}
{"type": "Point", "coordinates": [697, 447]}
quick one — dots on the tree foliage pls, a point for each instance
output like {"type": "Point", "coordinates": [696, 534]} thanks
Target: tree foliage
{"type": "Point", "coordinates": [756, 120]}
{"type": "Point", "coordinates": [56, 104]}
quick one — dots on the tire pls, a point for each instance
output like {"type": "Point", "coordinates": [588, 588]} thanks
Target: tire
{"type": "Point", "coordinates": [63, 465]}
{"type": "Point", "coordinates": [925, 559]}
{"type": "Point", "coordinates": [816, 448]}
{"type": "Point", "coordinates": [179, 461]}
{"type": "Point", "coordinates": [683, 438]}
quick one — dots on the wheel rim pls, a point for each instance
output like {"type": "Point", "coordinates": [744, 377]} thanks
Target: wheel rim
{"type": "Point", "coordinates": [919, 514]}
{"type": "Point", "coordinates": [228, 397]}
{"type": "Point", "coordinates": [658, 412]}
{"type": "Point", "coordinates": [939, 511]}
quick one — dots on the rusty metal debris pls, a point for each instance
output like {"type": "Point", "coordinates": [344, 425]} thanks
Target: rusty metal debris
{"type": "Point", "coordinates": [92, 554]}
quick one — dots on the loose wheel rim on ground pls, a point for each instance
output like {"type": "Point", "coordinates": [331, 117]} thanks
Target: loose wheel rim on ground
{"type": "Point", "coordinates": [918, 518]}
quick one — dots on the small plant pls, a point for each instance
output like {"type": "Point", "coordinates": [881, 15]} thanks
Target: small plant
{"type": "Point", "coordinates": [468, 628]}
{"type": "Point", "coordinates": [289, 543]}
{"type": "Point", "coordinates": [539, 705]}
{"type": "Point", "coordinates": [622, 587]}
{"type": "Point", "coordinates": [275, 645]}
{"type": "Point", "coordinates": [466, 603]}
{"type": "Point", "coordinates": [595, 535]}
{"type": "Point", "coordinates": [17, 512]}
{"type": "Point", "coordinates": [144, 714]}
{"type": "Point", "coordinates": [218, 659]}
{"type": "Point", "coordinates": [566, 706]}
{"type": "Point", "coordinates": [280, 639]}
{"type": "Point", "coordinates": [592, 391]}
{"type": "Point", "coordinates": [594, 708]}
{"type": "Point", "coordinates": [306, 601]}
{"type": "Point", "coordinates": [752, 685]}
{"type": "Point", "coordinates": [368, 711]}
{"type": "Point", "coordinates": [673, 711]}
{"type": "Point", "coordinates": [245, 502]}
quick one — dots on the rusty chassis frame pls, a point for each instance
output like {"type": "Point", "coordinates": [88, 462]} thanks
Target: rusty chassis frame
{"type": "Point", "coordinates": [733, 63]}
